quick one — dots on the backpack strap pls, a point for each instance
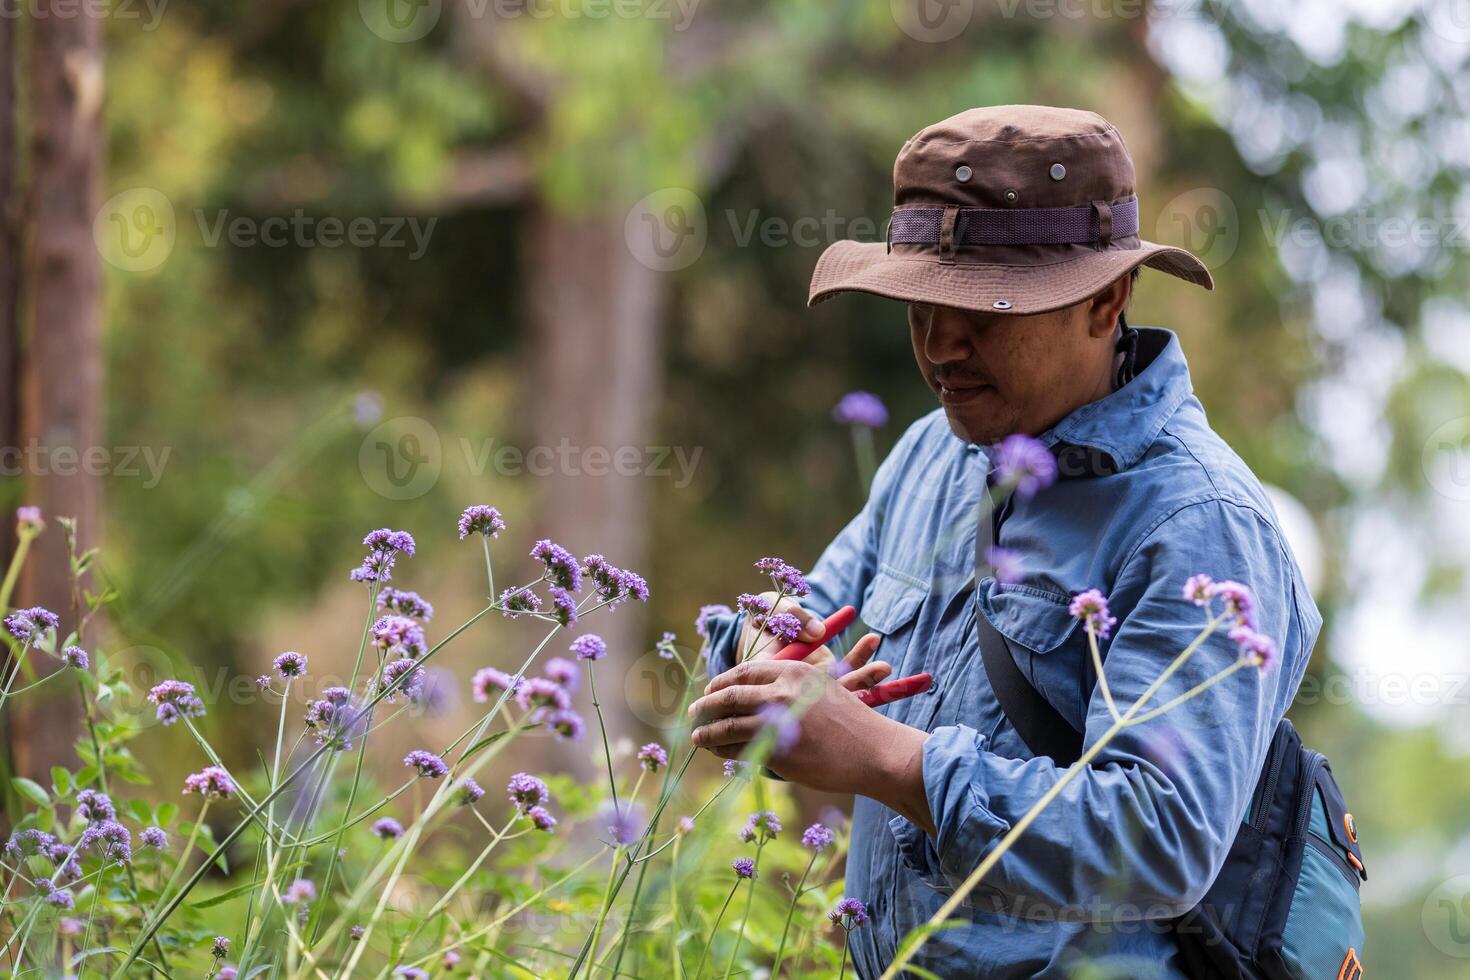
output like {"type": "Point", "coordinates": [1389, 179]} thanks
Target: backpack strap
{"type": "Point", "coordinates": [1041, 726]}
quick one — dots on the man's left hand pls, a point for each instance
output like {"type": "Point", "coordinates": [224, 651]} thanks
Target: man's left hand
{"type": "Point", "coordinates": [843, 747]}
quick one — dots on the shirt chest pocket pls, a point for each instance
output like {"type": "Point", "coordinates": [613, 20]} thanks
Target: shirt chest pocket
{"type": "Point", "coordinates": [1046, 644]}
{"type": "Point", "coordinates": [891, 609]}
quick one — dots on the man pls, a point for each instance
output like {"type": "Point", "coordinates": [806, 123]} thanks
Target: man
{"type": "Point", "coordinates": [1014, 243]}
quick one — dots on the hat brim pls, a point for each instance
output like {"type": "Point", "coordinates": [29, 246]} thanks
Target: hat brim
{"type": "Point", "coordinates": [869, 267]}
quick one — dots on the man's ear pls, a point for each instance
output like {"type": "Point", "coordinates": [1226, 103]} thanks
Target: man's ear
{"type": "Point", "coordinates": [1104, 308]}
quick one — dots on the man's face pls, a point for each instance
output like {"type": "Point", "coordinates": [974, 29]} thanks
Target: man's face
{"type": "Point", "coordinates": [998, 375]}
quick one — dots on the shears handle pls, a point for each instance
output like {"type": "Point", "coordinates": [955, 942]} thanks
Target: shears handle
{"type": "Point", "coordinates": [831, 626]}
{"type": "Point", "coordinates": [896, 690]}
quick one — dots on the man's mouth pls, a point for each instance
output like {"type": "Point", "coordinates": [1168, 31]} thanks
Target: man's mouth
{"type": "Point", "coordinates": [961, 392]}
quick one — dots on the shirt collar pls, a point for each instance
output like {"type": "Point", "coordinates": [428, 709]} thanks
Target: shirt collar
{"type": "Point", "coordinates": [1114, 432]}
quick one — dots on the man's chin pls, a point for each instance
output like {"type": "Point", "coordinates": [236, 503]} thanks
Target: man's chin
{"type": "Point", "coordinates": [972, 427]}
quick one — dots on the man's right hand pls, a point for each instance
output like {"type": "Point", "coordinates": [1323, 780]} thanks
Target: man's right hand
{"type": "Point", "coordinates": [855, 671]}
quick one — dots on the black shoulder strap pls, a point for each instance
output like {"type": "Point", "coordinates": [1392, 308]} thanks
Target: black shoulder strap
{"type": "Point", "coordinates": [1041, 726]}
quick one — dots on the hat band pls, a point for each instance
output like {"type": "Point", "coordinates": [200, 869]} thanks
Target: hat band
{"type": "Point", "coordinates": [1079, 225]}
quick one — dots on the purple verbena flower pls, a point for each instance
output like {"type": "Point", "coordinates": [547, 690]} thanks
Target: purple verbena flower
{"type": "Point", "coordinates": [1258, 649]}
{"type": "Point", "coordinates": [411, 685]}
{"type": "Point", "coordinates": [411, 972]}
{"type": "Point", "coordinates": [1091, 606]}
{"type": "Point", "coordinates": [387, 828]}
{"type": "Point", "coordinates": [488, 679]}
{"type": "Point", "coordinates": [701, 624]}
{"type": "Point", "coordinates": [385, 540]}
{"type": "Point", "coordinates": [561, 568]}
{"type": "Point", "coordinates": [409, 604]}
{"type": "Point", "coordinates": [752, 605]}
{"type": "Point", "coordinates": [25, 843]}
{"type": "Point", "coordinates": [744, 867]}
{"type": "Point", "coordinates": [469, 792]}
{"type": "Point", "coordinates": [1008, 566]}
{"type": "Point", "coordinates": [95, 806]}
{"type": "Point", "coordinates": [221, 947]}
{"type": "Point", "coordinates": [652, 756]}
{"type": "Point", "coordinates": [541, 818]}
{"type": "Point", "coordinates": [154, 837]}
{"type": "Point", "coordinates": [783, 723]}
{"type": "Point", "coordinates": [28, 519]}
{"type": "Point", "coordinates": [290, 664]}
{"type": "Point", "coordinates": [762, 824]}
{"type": "Point", "coordinates": [542, 692]}
{"type": "Point", "coordinates": [614, 584]}
{"type": "Point", "coordinates": [227, 972]}
{"type": "Point", "coordinates": [734, 767]}
{"type": "Point", "coordinates": [849, 914]}
{"type": "Point", "coordinates": [566, 724]}
{"type": "Point", "coordinates": [76, 657]}
{"type": "Point", "coordinates": [377, 566]}
{"type": "Point", "coordinates": [665, 646]}
{"type": "Point", "coordinates": [1198, 589]}
{"type": "Point", "coordinates": [624, 821]}
{"type": "Point", "coordinates": [526, 791]}
{"type": "Point", "coordinates": [1240, 601]}
{"type": "Point", "coordinates": [519, 600]}
{"type": "Point", "coordinates": [113, 839]}
{"type": "Point", "coordinates": [817, 836]}
{"type": "Point", "coordinates": [861, 408]}
{"type": "Point", "coordinates": [1025, 464]}
{"type": "Point", "coordinates": [334, 719]}
{"type": "Point", "coordinates": [61, 898]}
{"type": "Point", "coordinates": [480, 519]}
{"type": "Point", "coordinates": [426, 764]}
{"type": "Point", "coordinates": [31, 625]}
{"type": "Point", "coordinates": [176, 699]}
{"type": "Point", "coordinates": [211, 782]}
{"type": "Point", "coordinates": [399, 634]}
{"type": "Point", "coordinates": [66, 926]}
{"type": "Point", "coordinates": [784, 626]}
{"type": "Point", "coordinates": [589, 646]}
{"type": "Point", "coordinates": [563, 606]}
{"type": "Point", "coordinates": [563, 671]}
{"type": "Point", "coordinates": [300, 892]}
{"type": "Point", "coordinates": [685, 825]}
{"type": "Point", "coordinates": [791, 582]}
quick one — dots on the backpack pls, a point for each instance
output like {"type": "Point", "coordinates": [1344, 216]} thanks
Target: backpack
{"type": "Point", "coordinates": [1285, 905]}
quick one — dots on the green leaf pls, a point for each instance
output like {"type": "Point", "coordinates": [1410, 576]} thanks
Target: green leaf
{"type": "Point", "coordinates": [484, 742]}
{"type": "Point", "coordinates": [224, 897]}
{"type": "Point", "coordinates": [166, 813]}
{"type": "Point", "coordinates": [93, 952]}
{"type": "Point", "coordinates": [140, 811]}
{"type": "Point", "coordinates": [30, 790]}
{"type": "Point", "coordinates": [86, 776]}
{"type": "Point", "coordinates": [61, 781]}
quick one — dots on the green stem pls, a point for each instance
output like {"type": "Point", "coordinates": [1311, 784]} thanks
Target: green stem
{"type": "Point", "coordinates": [1102, 679]}
{"type": "Point", "coordinates": [601, 727]}
{"type": "Point", "coordinates": [786, 929]}
{"type": "Point", "coordinates": [699, 970]}
{"type": "Point", "coordinates": [22, 547]}
{"type": "Point", "coordinates": [744, 919]}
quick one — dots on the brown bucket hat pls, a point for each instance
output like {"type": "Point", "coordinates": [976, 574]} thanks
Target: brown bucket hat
{"type": "Point", "coordinates": [1010, 209]}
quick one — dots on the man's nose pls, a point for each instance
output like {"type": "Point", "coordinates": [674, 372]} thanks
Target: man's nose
{"type": "Point", "coordinates": [950, 337]}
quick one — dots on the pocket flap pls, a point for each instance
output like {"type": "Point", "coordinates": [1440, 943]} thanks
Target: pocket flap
{"type": "Point", "coordinates": [1033, 618]}
{"type": "Point", "coordinates": [1340, 822]}
{"type": "Point", "coordinates": [892, 600]}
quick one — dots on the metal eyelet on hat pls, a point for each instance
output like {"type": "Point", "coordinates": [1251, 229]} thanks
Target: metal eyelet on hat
{"type": "Point", "coordinates": [1011, 197]}
{"type": "Point", "coordinates": [963, 173]}
{"type": "Point", "coordinates": [1058, 171]}
{"type": "Point", "coordinates": [1001, 304]}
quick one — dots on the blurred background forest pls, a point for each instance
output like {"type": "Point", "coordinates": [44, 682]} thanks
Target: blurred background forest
{"type": "Point", "coordinates": [291, 271]}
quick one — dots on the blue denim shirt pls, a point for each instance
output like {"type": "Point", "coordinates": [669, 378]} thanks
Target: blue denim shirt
{"type": "Point", "coordinates": [1149, 495]}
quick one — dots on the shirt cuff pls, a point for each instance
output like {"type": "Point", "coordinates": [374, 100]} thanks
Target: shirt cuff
{"type": "Point", "coordinates": [965, 829]}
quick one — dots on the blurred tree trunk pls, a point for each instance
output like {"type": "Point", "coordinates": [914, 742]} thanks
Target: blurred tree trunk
{"type": "Point", "coordinates": [62, 362]}
{"type": "Point", "coordinates": [593, 314]}
{"type": "Point", "coordinates": [10, 220]}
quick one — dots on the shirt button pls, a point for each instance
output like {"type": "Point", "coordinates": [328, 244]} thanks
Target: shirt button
{"type": "Point", "coordinates": [1058, 171]}
{"type": "Point", "coordinates": [963, 173]}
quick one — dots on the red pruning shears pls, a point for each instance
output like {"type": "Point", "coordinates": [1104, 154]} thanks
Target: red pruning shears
{"type": "Point", "coordinates": [879, 694]}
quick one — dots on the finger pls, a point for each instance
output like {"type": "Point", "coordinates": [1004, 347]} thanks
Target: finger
{"type": "Point", "coordinates": [729, 751]}
{"type": "Point", "coordinates": [862, 651]}
{"type": "Point", "coordinates": [867, 676]}
{"type": "Point", "coordinates": [726, 731]}
{"type": "Point", "coordinates": [739, 699]}
{"type": "Point", "coordinates": [752, 672]}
